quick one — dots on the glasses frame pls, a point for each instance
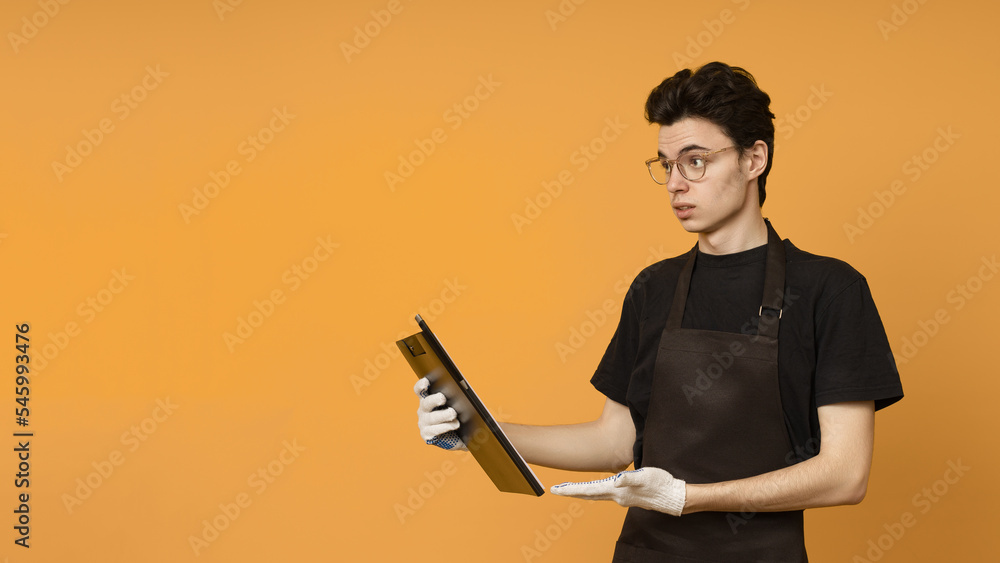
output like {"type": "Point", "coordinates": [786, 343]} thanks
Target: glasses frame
{"type": "Point", "coordinates": [676, 164]}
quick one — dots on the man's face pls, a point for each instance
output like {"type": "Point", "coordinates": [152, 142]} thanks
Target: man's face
{"type": "Point", "coordinates": [720, 199]}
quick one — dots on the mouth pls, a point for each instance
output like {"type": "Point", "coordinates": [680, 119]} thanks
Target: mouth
{"type": "Point", "coordinates": [683, 210]}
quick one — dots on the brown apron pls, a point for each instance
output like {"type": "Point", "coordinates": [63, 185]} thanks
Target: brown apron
{"type": "Point", "coordinates": [715, 415]}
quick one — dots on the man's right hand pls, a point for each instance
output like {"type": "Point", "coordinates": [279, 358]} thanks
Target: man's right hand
{"type": "Point", "coordinates": [437, 427]}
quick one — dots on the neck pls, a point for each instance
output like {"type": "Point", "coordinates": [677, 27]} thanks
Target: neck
{"type": "Point", "coordinates": [743, 234]}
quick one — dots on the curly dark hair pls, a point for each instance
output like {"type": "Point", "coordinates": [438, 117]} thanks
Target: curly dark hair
{"type": "Point", "coordinates": [727, 96]}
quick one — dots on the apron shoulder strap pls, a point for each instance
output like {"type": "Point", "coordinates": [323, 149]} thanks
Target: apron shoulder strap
{"type": "Point", "coordinates": [774, 285]}
{"type": "Point", "coordinates": [681, 291]}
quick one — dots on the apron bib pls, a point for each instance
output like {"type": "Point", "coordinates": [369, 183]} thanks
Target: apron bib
{"type": "Point", "coordinates": [715, 415]}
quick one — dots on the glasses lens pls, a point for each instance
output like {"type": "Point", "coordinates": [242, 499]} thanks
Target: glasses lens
{"type": "Point", "coordinates": [659, 170]}
{"type": "Point", "coordinates": [693, 166]}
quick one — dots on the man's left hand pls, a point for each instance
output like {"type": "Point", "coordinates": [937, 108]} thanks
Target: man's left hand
{"type": "Point", "coordinates": [650, 487]}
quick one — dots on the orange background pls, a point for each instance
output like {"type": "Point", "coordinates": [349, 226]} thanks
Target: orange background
{"type": "Point", "coordinates": [310, 398]}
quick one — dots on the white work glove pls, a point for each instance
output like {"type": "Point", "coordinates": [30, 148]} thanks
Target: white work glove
{"type": "Point", "coordinates": [650, 487]}
{"type": "Point", "coordinates": [437, 427]}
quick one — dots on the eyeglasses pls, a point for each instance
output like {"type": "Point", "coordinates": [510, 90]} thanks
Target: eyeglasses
{"type": "Point", "coordinates": [691, 165]}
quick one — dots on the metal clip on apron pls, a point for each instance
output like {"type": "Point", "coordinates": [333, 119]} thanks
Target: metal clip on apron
{"type": "Point", "coordinates": [733, 429]}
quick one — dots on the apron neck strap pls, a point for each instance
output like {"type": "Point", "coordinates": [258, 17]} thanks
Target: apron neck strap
{"type": "Point", "coordinates": [774, 287]}
{"type": "Point", "coordinates": [681, 291]}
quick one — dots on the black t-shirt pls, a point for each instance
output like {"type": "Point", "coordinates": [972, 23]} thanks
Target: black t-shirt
{"type": "Point", "coordinates": [832, 346]}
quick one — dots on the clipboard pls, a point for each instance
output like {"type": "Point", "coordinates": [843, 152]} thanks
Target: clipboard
{"type": "Point", "coordinates": [479, 431]}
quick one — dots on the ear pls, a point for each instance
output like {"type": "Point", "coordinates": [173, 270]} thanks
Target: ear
{"type": "Point", "coordinates": [757, 159]}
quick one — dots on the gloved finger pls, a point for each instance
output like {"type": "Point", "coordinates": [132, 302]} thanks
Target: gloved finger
{"type": "Point", "coordinates": [440, 417]}
{"type": "Point", "coordinates": [571, 492]}
{"type": "Point", "coordinates": [421, 387]}
{"type": "Point", "coordinates": [448, 441]}
{"type": "Point", "coordinates": [630, 478]}
{"type": "Point", "coordinates": [431, 402]}
{"type": "Point", "coordinates": [433, 431]}
{"type": "Point", "coordinates": [596, 490]}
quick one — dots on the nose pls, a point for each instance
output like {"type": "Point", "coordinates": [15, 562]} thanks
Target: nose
{"type": "Point", "coordinates": [676, 183]}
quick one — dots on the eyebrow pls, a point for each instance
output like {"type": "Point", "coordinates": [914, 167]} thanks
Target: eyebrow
{"type": "Point", "coordinates": [686, 149]}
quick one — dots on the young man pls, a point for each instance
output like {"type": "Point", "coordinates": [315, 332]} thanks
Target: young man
{"type": "Point", "coordinates": [729, 362]}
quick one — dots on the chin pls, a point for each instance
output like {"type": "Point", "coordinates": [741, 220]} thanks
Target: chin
{"type": "Point", "coordinates": [691, 225]}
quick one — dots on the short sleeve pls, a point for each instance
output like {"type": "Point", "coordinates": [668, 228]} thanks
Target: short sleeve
{"type": "Point", "coordinates": [853, 358]}
{"type": "Point", "coordinates": [615, 370]}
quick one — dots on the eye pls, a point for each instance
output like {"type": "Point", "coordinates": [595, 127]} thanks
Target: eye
{"type": "Point", "coordinates": [664, 164]}
{"type": "Point", "coordinates": [696, 162]}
